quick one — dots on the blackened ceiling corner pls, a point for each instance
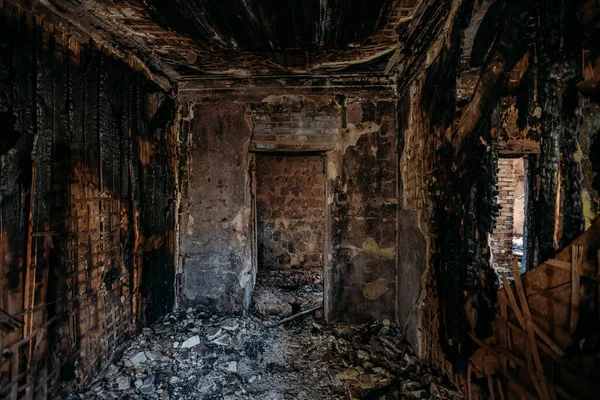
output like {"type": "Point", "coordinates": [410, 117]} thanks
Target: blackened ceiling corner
{"type": "Point", "coordinates": [182, 38]}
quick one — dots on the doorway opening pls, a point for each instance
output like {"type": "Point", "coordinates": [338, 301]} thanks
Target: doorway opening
{"type": "Point", "coordinates": [290, 233]}
{"type": "Point", "coordinates": [507, 239]}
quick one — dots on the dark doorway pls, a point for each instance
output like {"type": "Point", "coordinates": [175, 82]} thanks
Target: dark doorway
{"type": "Point", "coordinates": [290, 230]}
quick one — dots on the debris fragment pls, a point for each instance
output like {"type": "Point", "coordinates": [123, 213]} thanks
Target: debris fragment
{"type": "Point", "coordinates": [191, 342]}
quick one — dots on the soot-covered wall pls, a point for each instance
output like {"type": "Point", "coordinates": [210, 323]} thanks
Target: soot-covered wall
{"type": "Point", "coordinates": [455, 120]}
{"type": "Point", "coordinates": [355, 130]}
{"type": "Point", "coordinates": [290, 211]}
{"type": "Point", "coordinates": [86, 205]}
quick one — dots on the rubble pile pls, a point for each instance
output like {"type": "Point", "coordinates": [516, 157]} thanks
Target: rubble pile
{"type": "Point", "coordinates": [285, 292]}
{"type": "Point", "coordinates": [194, 355]}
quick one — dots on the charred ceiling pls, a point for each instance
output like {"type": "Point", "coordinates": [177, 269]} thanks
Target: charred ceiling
{"type": "Point", "coordinates": [181, 38]}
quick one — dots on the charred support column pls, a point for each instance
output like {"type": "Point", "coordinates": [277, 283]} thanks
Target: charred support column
{"type": "Point", "coordinates": [549, 50]}
{"type": "Point", "coordinates": [559, 71]}
{"type": "Point", "coordinates": [572, 175]}
{"type": "Point", "coordinates": [528, 261]}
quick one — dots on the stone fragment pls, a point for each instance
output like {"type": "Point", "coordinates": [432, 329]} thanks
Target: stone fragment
{"type": "Point", "coordinates": [148, 332]}
{"type": "Point", "coordinates": [111, 371]}
{"type": "Point", "coordinates": [224, 340]}
{"type": "Point", "coordinates": [138, 359]}
{"type": "Point", "coordinates": [123, 382]}
{"type": "Point", "coordinates": [212, 332]}
{"type": "Point", "coordinates": [191, 342]}
{"type": "Point", "coordinates": [147, 389]}
{"type": "Point", "coordinates": [230, 324]}
{"type": "Point", "coordinates": [363, 355]}
{"type": "Point", "coordinates": [232, 367]}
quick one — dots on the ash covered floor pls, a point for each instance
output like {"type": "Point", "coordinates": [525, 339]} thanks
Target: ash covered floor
{"type": "Point", "coordinates": [192, 355]}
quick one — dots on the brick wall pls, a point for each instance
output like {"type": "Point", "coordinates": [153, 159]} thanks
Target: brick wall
{"type": "Point", "coordinates": [510, 173]}
{"type": "Point", "coordinates": [290, 204]}
{"type": "Point", "coordinates": [295, 122]}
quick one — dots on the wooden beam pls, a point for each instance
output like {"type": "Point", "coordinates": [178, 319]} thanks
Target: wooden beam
{"type": "Point", "coordinates": [513, 302]}
{"type": "Point", "coordinates": [589, 268]}
{"type": "Point", "coordinates": [577, 254]}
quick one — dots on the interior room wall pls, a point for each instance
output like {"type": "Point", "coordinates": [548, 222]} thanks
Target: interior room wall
{"type": "Point", "coordinates": [86, 204]}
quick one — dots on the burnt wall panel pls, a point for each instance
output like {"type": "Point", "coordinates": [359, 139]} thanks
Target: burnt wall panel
{"type": "Point", "coordinates": [215, 232]}
{"type": "Point", "coordinates": [73, 243]}
{"type": "Point", "coordinates": [363, 214]}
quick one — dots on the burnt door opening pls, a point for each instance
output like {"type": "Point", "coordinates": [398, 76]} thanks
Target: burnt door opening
{"type": "Point", "coordinates": [290, 233]}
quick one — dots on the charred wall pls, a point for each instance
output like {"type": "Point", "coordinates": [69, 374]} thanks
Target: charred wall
{"type": "Point", "coordinates": [449, 177]}
{"type": "Point", "coordinates": [86, 204]}
{"type": "Point", "coordinates": [215, 236]}
{"type": "Point", "coordinates": [363, 213]}
{"type": "Point", "coordinates": [355, 131]}
{"type": "Point", "coordinates": [452, 130]}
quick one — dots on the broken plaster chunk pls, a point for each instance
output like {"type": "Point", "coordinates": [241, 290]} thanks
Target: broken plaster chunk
{"type": "Point", "coordinates": [191, 342]}
{"type": "Point", "coordinates": [224, 340]}
{"type": "Point", "coordinates": [138, 359]}
{"type": "Point", "coordinates": [213, 332]}
{"type": "Point", "coordinates": [111, 371]}
{"type": "Point", "coordinates": [123, 382]}
{"type": "Point", "coordinates": [232, 367]}
{"type": "Point", "coordinates": [230, 324]}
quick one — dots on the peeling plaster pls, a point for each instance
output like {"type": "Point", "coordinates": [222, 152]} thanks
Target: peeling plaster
{"type": "Point", "coordinates": [190, 225]}
{"type": "Point", "coordinates": [372, 248]}
{"type": "Point", "coordinates": [332, 173]}
{"type": "Point", "coordinates": [588, 208]}
{"type": "Point", "coordinates": [376, 289]}
{"type": "Point", "coordinates": [353, 133]}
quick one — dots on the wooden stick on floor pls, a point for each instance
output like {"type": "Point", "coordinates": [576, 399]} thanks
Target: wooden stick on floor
{"type": "Point", "coordinates": [295, 316]}
{"type": "Point", "coordinates": [533, 356]}
{"type": "Point", "coordinates": [576, 259]}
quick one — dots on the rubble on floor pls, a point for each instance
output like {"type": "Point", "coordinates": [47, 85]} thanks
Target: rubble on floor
{"type": "Point", "coordinates": [285, 292]}
{"type": "Point", "coordinates": [194, 355]}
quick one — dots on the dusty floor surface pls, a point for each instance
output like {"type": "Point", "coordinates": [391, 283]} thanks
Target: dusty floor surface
{"type": "Point", "coordinates": [191, 355]}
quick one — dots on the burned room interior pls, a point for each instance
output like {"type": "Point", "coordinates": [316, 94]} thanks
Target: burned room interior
{"type": "Point", "coordinates": [303, 199]}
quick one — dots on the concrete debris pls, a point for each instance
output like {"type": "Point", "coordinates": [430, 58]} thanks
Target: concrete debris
{"type": "Point", "coordinates": [224, 340]}
{"type": "Point", "coordinates": [138, 359]}
{"type": "Point", "coordinates": [213, 332]}
{"type": "Point", "coordinates": [241, 358]}
{"type": "Point", "coordinates": [123, 383]}
{"type": "Point", "coordinates": [191, 342]}
{"type": "Point", "coordinates": [232, 367]}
